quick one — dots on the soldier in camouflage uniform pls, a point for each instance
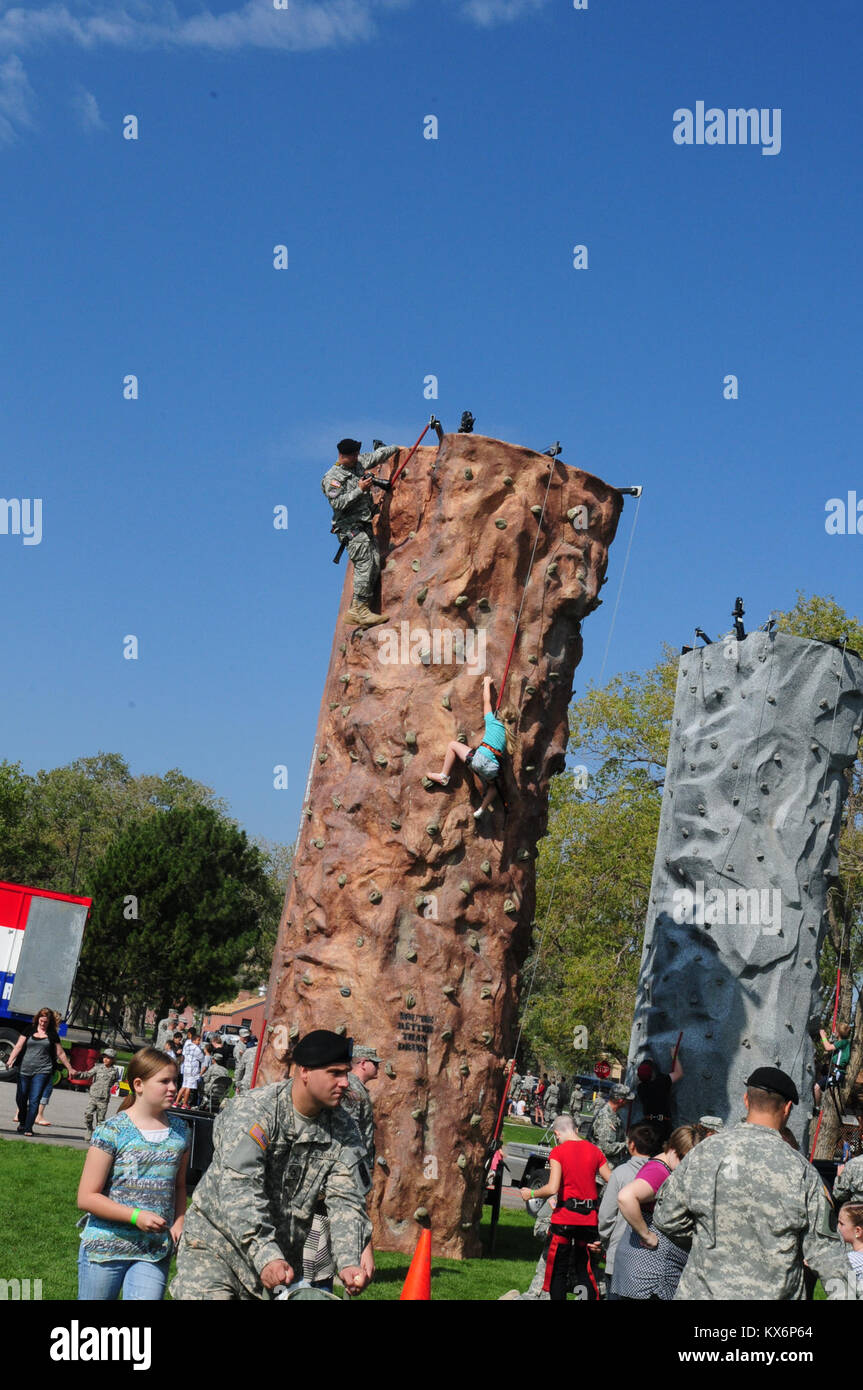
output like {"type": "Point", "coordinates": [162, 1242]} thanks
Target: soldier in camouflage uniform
{"type": "Point", "coordinates": [752, 1208]}
{"type": "Point", "coordinates": [551, 1102]}
{"type": "Point", "coordinates": [217, 1083]}
{"type": "Point", "coordinates": [279, 1151]}
{"type": "Point", "coordinates": [349, 495]}
{"type": "Point", "coordinates": [101, 1077]}
{"type": "Point", "coordinates": [848, 1186]}
{"type": "Point", "coordinates": [244, 1070]}
{"type": "Point", "coordinates": [318, 1266]}
{"type": "Point", "coordinates": [608, 1131]}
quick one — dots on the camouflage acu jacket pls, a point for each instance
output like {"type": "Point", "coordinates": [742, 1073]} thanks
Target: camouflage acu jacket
{"type": "Point", "coordinates": [269, 1171]}
{"type": "Point", "coordinates": [358, 1103]}
{"type": "Point", "coordinates": [340, 486]}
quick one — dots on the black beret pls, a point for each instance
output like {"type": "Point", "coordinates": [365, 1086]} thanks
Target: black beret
{"type": "Point", "coordinates": [349, 446]}
{"type": "Point", "coordinates": [772, 1079]}
{"type": "Point", "coordinates": [320, 1048]}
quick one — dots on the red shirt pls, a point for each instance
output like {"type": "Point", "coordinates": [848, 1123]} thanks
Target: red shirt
{"type": "Point", "coordinates": [579, 1161]}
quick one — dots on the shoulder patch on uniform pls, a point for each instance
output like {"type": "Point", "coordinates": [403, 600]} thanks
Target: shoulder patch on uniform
{"type": "Point", "coordinates": [259, 1137]}
{"type": "Point", "coordinates": [336, 487]}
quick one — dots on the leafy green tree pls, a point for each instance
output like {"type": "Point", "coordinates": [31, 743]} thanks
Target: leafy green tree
{"type": "Point", "coordinates": [183, 907]}
{"type": "Point", "coordinates": [26, 852]}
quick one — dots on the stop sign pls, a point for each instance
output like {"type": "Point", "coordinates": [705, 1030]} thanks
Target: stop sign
{"type": "Point", "coordinates": [602, 1070]}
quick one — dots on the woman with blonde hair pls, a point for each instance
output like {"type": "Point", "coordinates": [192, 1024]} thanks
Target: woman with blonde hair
{"type": "Point", "coordinates": [134, 1188]}
{"type": "Point", "coordinates": [648, 1265]}
{"type": "Point", "coordinates": [485, 760]}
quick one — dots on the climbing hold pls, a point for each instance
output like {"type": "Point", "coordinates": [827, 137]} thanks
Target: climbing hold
{"type": "Point", "coordinates": [508, 480]}
{"type": "Point", "coordinates": [411, 739]}
{"type": "Point", "coordinates": [464, 887]}
{"type": "Point", "coordinates": [334, 705]}
{"type": "Point", "coordinates": [425, 657]}
{"type": "Point", "coordinates": [771, 699]}
{"type": "Point", "coordinates": [524, 854]}
{"type": "Point", "coordinates": [389, 1069]}
{"type": "Point", "coordinates": [396, 824]}
{"type": "Point", "coordinates": [461, 1161]}
{"type": "Point", "coordinates": [432, 829]}
{"type": "Point", "coordinates": [427, 782]}
{"type": "Point", "coordinates": [510, 906]}
{"type": "Point", "coordinates": [702, 810]}
{"type": "Point", "coordinates": [421, 1214]}
{"type": "Point", "coordinates": [464, 1069]}
{"type": "Point", "coordinates": [410, 954]}
{"type": "Point", "coordinates": [422, 594]}
{"type": "Point", "coordinates": [815, 747]}
{"type": "Point", "coordinates": [410, 1001]}
{"type": "Point", "coordinates": [484, 604]}
{"type": "Point", "coordinates": [764, 787]}
{"type": "Point", "coordinates": [822, 704]}
{"type": "Point", "coordinates": [411, 536]}
{"type": "Point", "coordinates": [485, 866]}
{"type": "Point", "coordinates": [485, 992]}
{"type": "Point", "coordinates": [417, 1114]}
{"type": "Point", "coordinates": [446, 1034]}
{"type": "Point", "coordinates": [361, 941]}
{"type": "Point", "coordinates": [530, 690]}
{"type": "Point", "coordinates": [294, 1031]}
{"type": "Point", "coordinates": [345, 680]}
{"type": "Point", "coordinates": [322, 757]}
{"type": "Point", "coordinates": [554, 675]}
{"type": "Point", "coordinates": [343, 647]}
{"type": "Point", "coordinates": [420, 900]}
{"type": "Point", "coordinates": [537, 510]}
{"type": "Point", "coordinates": [446, 702]}
{"type": "Point", "coordinates": [500, 524]}
{"type": "Point", "coordinates": [375, 895]}
{"type": "Point", "coordinates": [714, 743]}
{"type": "Point", "coordinates": [318, 844]}
{"type": "Point", "coordinates": [415, 564]}
{"type": "Point", "coordinates": [346, 709]}
{"type": "Point", "coordinates": [449, 991]}
{"type": "Point", "coordinates": [685, 834]}
{"type": "Point", "coordinates": [381, 760]}
{"type": "Point", "coordinates": [354, 757]}
{"type": "Point", "coordinates": [461, 601]}
{"type": "Point", "coordinates": [473, 941]}
{"type": "Point", "coordinates": [345, 992]}
{"type": "Point", "coordinates": [307, 979]}
{"type": "Point", "coordinates": [462, 735]}
{"type": "Point", "coordinates": [468, 473]}
{"type": "Point", "coordinates": [530, 767]}
{"type": "Point", "coordinates": [381, 1161]}
{"type": "Point", "coordinates": [342, 880]}
{"type": "Point", "coordinates": [534, 660]}
{"type": "Point", "coordinates": [337, 802]}
{"type": "Point", "coordinates": [552, 568]}
{"type": "Point", "coordinates": [487, 1037]}
{"type": "Point", "coordinates": [475, 1120]}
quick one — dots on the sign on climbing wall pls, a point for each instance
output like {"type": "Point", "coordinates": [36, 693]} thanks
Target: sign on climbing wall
{"type": "Point", "coordinates": [414, 1032]}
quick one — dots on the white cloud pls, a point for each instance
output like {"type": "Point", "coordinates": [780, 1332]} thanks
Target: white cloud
{"type": "Point", "coordinates": [486, 14]}
{"type": "Point", "coordinates": [86, 109]}
{"type": "Point", "coordinates": [305, 25]}
{"type": "Point", "coordinates": [17, 99]}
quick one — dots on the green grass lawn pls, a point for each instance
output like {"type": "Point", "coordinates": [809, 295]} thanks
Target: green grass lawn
{"type": "Point", "coordinates": [38, 1183]}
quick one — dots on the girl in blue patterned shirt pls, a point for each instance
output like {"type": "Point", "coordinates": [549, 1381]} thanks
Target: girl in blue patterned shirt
{"type": "Point", "coordinates": [134, 1188]}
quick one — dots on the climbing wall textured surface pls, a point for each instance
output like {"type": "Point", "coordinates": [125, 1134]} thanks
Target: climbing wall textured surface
{"type": "Point", "coordinates": [762, 732]}
{"type": "Point", "coordinates": [407, 920]}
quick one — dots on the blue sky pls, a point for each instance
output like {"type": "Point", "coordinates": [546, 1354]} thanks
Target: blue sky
{"type": "Point", "coordinates": [407, 257]}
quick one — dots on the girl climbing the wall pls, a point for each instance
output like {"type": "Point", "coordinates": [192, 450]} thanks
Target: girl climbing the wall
{"type": "Point", "coordinates": [485, 761]}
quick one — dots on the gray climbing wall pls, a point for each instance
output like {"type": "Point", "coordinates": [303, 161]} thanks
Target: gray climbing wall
{"type": "Point", "coordinates": [761, 734]}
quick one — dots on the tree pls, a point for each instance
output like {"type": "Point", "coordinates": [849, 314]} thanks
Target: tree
{"type": "Point", "coordinates": [182, 904]}
{"type": "Point", "coordinates": [26, 853]}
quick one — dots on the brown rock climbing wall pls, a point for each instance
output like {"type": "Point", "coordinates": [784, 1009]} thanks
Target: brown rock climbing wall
{"type": "Point", "coordinates": [407, 921]}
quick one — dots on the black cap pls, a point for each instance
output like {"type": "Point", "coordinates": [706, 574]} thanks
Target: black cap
{"type": "Point", "coordinates": [320, 1048]}
{"type": "Point", "coordinates": [772, 1079]}
{"type": "Point", "coordinates": [349, 446]}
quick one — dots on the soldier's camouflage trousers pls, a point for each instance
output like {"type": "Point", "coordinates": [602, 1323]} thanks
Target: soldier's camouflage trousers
{"type": "Point", "coordinates": [207, 1268]}
{"type": "Point", "coordinates": [95, 1114]}
{"type": "Point", "coordinates": [363, 551]}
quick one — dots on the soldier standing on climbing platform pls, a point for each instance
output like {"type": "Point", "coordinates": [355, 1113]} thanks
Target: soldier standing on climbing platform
{"type": "Point", "coordinates": [348, 492]}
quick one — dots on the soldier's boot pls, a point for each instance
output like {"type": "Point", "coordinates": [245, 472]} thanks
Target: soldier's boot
{"type": "Point", "coordinates": [362, 616]}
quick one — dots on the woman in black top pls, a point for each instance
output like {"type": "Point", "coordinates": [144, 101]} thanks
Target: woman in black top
{"type": "Point", "coordinates": [41, 1052]}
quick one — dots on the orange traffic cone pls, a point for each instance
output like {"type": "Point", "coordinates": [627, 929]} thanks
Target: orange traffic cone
{"type": "Point", "coordinates": [417, 1285]}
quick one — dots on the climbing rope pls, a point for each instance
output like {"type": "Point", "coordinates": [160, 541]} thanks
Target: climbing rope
{"type": "Point", "coordinates": [564, 839]}
{"type": "Point", "coordinates": [403, 465]}
{"type": "Point", "coordinates": [524, 588]}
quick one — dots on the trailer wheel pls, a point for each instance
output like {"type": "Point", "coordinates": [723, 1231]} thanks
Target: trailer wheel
{"type": "Point", "coordinates": [8, 1039]}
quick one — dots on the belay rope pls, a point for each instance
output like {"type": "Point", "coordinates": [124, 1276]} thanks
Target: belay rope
{"type": "Point", "coordinates": [564, 841]}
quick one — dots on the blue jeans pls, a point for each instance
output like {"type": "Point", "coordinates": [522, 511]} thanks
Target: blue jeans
{"type": "Point", "coordinates": [30, 1090]}
{"type": "Point", "coordinates": [139, 1279]}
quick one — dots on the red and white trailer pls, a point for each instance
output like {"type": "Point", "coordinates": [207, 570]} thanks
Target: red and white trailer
{"type": "Point", "coordinates": [40, 942]}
